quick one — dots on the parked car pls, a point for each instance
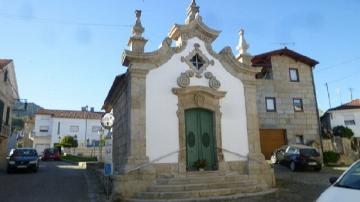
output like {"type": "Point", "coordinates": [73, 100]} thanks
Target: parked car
{"type": "Point", "coordinates": [297, 156]}
{"type": "Point", "coordinates": [23, 158]}
{"type": "Point", "coordinates": [344, 188]}
{"type": "Point", "coordinates": [51, 154]}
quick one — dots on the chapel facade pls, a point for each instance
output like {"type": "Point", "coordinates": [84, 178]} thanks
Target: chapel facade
{"type": "Point", "coordinates": [186, 121]}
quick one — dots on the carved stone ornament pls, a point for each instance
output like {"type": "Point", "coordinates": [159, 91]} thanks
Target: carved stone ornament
{"type": "Point", "coordinates": [199, 99]}
{"type": "Point", "coordinates": [213, 82]}
{"type": "Point", "coordinates": [197, 61]}
{"type": "Point", "coordinates": [184, 79]}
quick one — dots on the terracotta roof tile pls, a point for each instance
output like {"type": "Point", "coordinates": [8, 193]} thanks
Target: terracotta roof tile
{"type": "Point", "coordinates": [263, 59]}
{"type": "Point", "coordinates": [71, 114]}
{"type": "Point", "coordinates": [355, 104]}
{"type": "Point", "coordinates": [4, 62]}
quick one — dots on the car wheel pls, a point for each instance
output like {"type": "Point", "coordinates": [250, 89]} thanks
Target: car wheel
{"type": "Point", "coordinates": [292, 166]}
{"type": "Point", "coordinates": [318, 169]}
{"type": "Point", "coordinates": [273, 159]}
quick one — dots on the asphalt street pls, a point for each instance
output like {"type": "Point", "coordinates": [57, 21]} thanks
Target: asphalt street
{"type": "Point", "coordinates": [54, 181]}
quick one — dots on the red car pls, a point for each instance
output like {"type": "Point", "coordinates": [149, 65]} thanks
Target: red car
{"type": "Point", "coordinates": [51, 153]}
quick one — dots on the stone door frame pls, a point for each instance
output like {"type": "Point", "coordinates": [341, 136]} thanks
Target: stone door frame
{"type": "Point", "coordinates": [199, 97]}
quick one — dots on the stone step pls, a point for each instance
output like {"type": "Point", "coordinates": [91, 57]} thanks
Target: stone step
{"type": "Point", "coordinates": [237, 197]}
{"type": "Point", "coordinates": [201, 179]}
{"type": "Point", "coordinates": [202, 186]}
{"type": "Point", "coordinates": [199, 193]}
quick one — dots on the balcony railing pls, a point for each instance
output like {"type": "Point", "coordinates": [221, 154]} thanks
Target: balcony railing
{"type": "Point", "coordinates": [4, 130]}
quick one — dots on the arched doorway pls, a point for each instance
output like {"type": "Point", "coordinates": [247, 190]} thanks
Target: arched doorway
{"type": "Point", "coordinates": [200, 139]}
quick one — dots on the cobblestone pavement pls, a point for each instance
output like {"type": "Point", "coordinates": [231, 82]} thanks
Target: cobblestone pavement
{"type": "Point", "coordinates": [54, 182]}
{"type": "Point", "coordinates": [300, 186]}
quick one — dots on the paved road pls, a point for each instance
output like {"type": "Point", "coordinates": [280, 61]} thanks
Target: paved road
{"type": "Point", "coordinates": [54, 182]}
{"type": "Point", "coordinates": [301, 186]}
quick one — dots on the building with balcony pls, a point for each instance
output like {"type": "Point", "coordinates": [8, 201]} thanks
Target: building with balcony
{"type": "Point", "coordinates": [8, 95]}
{"type": "Point", "coordinates": [52, 125]}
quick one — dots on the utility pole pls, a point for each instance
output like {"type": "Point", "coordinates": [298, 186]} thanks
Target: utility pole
{"type": "Point", "coordinates": [351, 94]}
{"type": "Point", "coordinates": [327, 88]}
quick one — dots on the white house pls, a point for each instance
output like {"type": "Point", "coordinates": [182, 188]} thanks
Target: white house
{"type": "Point", "coordinates": [185, 107]}
{"type": "Point", "coordinates": [8, 94]}
{"type": "Point", "coordinates": [52, 125]}
{"type": "Point", "coordinates": [344, 115]}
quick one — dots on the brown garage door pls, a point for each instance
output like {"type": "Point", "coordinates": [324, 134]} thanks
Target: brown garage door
{"type": "Point", "coordinates": [271, 139]}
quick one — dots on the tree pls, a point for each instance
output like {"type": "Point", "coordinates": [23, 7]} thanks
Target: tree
{"type": "Point", "coordinates": [68, 142]}
{"type": "Point", "coordinates": [342, 131]}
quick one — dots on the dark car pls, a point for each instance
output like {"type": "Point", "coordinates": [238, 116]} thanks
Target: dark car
{"type": "Point", "coordinates": [23, 158]}
{"type": "Point", "coordinates": [51, 154]}
{"type": "Point", "coordinates": [297, 156]}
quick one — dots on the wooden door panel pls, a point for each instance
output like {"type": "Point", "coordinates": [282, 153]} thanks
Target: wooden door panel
{"type": "Point", "coordinates": [271, 139]}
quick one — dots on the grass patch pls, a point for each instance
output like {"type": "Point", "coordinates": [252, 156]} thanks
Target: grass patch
{"type": "Point", "coordinates": [72, 158]}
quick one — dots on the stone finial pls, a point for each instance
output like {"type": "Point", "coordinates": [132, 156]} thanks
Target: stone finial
{"type": "Point", "coordinates": [192, 11]}
{"type": "Point", "coordinates": [243, 45]}
{"type": "Point", "coordinates": [138, 29]}
{"type": "Point", "coordinates": [243, 56]}
{"type": "Point", "coordinates": [136, 41]}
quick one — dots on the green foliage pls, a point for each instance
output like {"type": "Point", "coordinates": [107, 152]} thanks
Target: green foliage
{"type": "Point", "coordinates": [19, 145]}
{"type": "Point", "coordinates": [200, 164]}
{"type": "Point", "coordinates": [18, 123]}
{"type": "Point", "coordinates": [343, 131]}
{"type": "Point", "coordinates": [68, 142]}
{"type": "Point", "coordinates": [73, 158]}
{"type": "Point", "coordinates": [331, 157]}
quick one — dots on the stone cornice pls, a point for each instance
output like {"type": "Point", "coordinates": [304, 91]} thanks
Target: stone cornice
{"type": "Point", "coordinates": [226, 56]}
{"type": "Point", "coordinates": [206, 90]}
{"type": "Point", "coordinates": [187, 31]}
{"type": "Point", "coordinates": [158, 57]}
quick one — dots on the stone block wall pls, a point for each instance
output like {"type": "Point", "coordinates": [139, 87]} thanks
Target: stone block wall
{"type": "Point", "coordinates": [296, 123]}
{"type": "Point", "coordinates": [121, 111]}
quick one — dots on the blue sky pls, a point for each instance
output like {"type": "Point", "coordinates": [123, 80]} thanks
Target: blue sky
{"type": "Point", "coordinates": [67, 52]}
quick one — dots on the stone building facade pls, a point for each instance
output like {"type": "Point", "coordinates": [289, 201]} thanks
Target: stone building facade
{"type": "Point", "coordinates": [8, 95]}
{"type": "Point", "coordinates": [183, 109]}
{"type": "Point", "coordinates": [286, 98]}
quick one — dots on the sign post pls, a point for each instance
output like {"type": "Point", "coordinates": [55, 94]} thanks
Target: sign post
{"type": "Point", "coordinates": [107, 122]}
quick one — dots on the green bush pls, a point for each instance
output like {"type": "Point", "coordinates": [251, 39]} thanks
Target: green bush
{"type": "Point", "coordinates": [68, 142]}
{"type": "Point", "coordinates": [331, 157]}
{"type": "Point", "coordinates": [343, 131]}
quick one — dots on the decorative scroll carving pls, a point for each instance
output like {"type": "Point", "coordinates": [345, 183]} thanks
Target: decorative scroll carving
{"type": "Point", "coordinates": [199, 99]}
{"type": "Point", "coordinates": [213, 82]}
{"type": "Point", "coordinates": [184, 79]}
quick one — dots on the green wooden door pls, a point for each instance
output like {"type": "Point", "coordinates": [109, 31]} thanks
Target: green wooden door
{"type": "Point", "coordinates": [200, 138]}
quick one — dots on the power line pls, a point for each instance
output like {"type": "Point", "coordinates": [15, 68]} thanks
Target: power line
{"type": "Point", "coordinates": [345, 77]}
{"type": "Point", "coordinates": [59, 21]}
{"type": "Point", "coordinates": [340, 63]}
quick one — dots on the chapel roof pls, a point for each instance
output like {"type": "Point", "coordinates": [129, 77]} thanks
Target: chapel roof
{"type": "Point", "coordinates": [4, 62]}
{"type": "Point", "coordinates": [115, 88]}
{"type": "Point", "coordinates": [70, 114]}
{"type": "Point", "coordinates": [354, 104]}
{"type": "Point", "coordinates": [263, 60]}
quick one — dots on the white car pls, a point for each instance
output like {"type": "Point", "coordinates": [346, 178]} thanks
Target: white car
{"type": "Point", "coordinates": [345, 188]}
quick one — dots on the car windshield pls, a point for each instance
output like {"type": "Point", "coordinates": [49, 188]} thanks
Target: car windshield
{"type": "Point", "coordinates": [50, 151]}
{"type": "Point", "coordinates": [351, 179]}
{"type": "Point", "coordinates": [309, 152]}
{"type": "Point", "coordinates": [25, 152]}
